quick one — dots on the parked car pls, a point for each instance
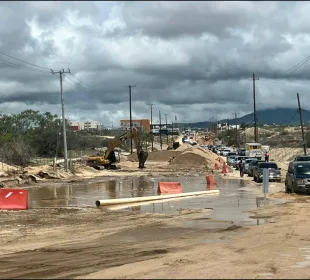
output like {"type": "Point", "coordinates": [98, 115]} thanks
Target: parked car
{"type": "Point", "coordinates": [226, 152]}
{"type": "Point", "coordinates": [302, 158]}
{"type": "Point", "coordinates": [236, 161]}
{"type": "Point", "coordinates": [274, 171]}
{"type": "Point", "coordinates": [231, 159]}
{"type": "Point", "coordinates": [232, 154]}
{"type": "Point", "coordinates": [241, 152]}
{"type": "Point", "coordinates": [298, 177]}
{"type": "Point", "coordinates": [247, 163]}
{"type": "Point", "coordinates": [252, 166]}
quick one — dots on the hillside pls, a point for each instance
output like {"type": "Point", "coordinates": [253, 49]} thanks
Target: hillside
{"type": "Point", "coordinates": [268, 116]}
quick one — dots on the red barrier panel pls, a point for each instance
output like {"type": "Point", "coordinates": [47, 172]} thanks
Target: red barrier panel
{"type": "Point", "coordinates": [169, 187]}
{"type": "Point", "coordinates": [216, 166]}
{"type": "Point", "coordinates": [211, 187]}
{"type": "Point", "coordinates": [225, 168]}
{"type": "Point", "coordinates": [13, 199]}
{"type": "Point", "coordinates": [210, 180]}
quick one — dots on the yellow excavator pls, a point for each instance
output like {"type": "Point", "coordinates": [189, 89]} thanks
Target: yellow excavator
{"type": "Point", "coordinates": [109, 159]}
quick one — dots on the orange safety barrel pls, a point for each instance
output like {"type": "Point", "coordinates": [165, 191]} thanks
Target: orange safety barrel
{"type": "Point", "coordinates": [169, 187]}
{"type": "Point", "coordinates": [225, 168]}
{"type": "Point", "coordinates": [210, 180]}
{"type": "Point", "coordinates": [13, 199]}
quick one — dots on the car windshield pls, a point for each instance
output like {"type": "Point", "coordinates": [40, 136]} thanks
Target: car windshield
{"type": "Point", "coordinates": [268, 165]}
{"type": "Point", "coordinates": [303, 169]}
{"type": "Point", "coordinates": [248, 160]}
{"type": "Point", "coordinates": [303, 158]}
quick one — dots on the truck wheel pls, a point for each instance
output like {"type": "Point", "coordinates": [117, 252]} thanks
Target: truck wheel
{"type": "Point", "coordinates": [287, 189]}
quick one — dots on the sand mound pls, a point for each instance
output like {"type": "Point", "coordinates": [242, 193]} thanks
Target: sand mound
{"type": "Point", "coordinates": [184, 147]}
{"type": "Point", "coordinates": [157, 156]}
{"type": "Point", "coordinates": [6, 167]}
{"type": "Point", "coordinates": [195, 156]}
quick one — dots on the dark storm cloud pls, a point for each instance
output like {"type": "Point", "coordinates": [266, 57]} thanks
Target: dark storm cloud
{"type": "Point", "coordinates": [192, 59]}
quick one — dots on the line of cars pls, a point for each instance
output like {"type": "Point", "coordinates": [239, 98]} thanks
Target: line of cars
{"type": "Point", "coordinates": [254, 167]}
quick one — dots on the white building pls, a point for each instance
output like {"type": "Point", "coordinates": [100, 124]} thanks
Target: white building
{"type": "Point", "coordinates": [87, 125]}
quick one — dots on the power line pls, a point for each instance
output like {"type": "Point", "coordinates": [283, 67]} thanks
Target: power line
{"type": "Point", "coordinates": [80, 80]}
{"type": "Point", "coordinates": [21, 67]}
{"type": "Point", "coordinates": [24, 61]}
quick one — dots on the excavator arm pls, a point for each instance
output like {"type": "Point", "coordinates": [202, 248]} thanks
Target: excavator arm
{"type": "Point", "coordinates": [117, 141]}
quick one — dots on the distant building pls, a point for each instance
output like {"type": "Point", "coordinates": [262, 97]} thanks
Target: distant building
{"type": "Point", "coordinates": [145, 124]}
{"type": "Point", "coordinates": [87, 125]}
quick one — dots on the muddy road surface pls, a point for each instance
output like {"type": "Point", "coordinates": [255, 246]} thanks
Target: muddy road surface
{"type": "Point", "coordinates": [188, 238]}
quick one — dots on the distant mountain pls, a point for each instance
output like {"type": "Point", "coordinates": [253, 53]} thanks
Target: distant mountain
{"type": "Point", "coordinates": [268, 116]}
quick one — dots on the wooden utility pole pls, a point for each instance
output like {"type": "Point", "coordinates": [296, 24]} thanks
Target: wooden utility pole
{"type": "Point", "coordinates": [255, 117]}
{"type": "Point", "coordinates": [151, 107]}
{"type": "Point", "coordinates": [61, 72]}
{"type": "Point", "coordinates": [160, 140]}
{"type": "Point", "coordinates": [166, 115]}
{"type": "Point", "coordinates": [130, 116]}
{"type": "Point", "coordinates": [302, 126]}
{"type": "Point", "coordinates": [237, 142]}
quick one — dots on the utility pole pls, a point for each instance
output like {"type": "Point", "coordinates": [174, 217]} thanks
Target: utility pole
{"type": "Point", "coordinates": [151, 107]}
{"type": "Point", "coordinates": [237, 143]}
{"type": "Point", "coordinates": [167, 128]}
{"type": "Point", "coordinates": [255, 117]}
{"type": "Point", "coordinates": [172, 132]}
{"type": "Point", "coordinates": [129, 86]}
{"type": "Point", "coordinates": [61, 72]}
{"type": "Point", "coordinates": [302, 127]}
{"type": "Point", "coordinates": [160, 141]}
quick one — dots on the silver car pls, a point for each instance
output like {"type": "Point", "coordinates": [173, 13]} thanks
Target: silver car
{"type": "Point", "coordinates": [247, 163]}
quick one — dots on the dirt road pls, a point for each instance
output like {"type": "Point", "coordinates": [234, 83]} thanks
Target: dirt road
{"type": "Point", "coordinates": [95, 243]}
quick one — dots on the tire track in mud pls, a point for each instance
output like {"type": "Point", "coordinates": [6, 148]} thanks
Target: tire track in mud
{"type": "Point", "coordinates": [76, 259]}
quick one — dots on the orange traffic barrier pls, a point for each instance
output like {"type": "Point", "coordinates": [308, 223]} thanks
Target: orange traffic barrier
{"type": "Point", "coordinates": [211, 187]}
{"type": "Point", "coordinates": [169, 187]}
{"type": "Point", "coordinates": [210, 180]}
{"type": "Point", "coordinates": [13, 199]}
{"type": "Point", "coordinates": [225, 168]}
{"type": "Point", "coordinates": [216, 166]}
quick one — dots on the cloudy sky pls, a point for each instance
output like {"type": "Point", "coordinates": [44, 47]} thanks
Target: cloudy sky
{"type": "Point", "coordinates": [191, 59]}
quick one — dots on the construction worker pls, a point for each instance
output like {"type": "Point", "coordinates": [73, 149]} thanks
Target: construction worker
{"type": "Point", "coordinates": [241, 167]}
{"type": "Point", "coordinates": [266, 157]}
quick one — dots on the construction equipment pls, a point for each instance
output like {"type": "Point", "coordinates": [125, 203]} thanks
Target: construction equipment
{"type": "Point", "coordinates": [109, 159]}
{"type": "Point", "coordinates": [174, 146]}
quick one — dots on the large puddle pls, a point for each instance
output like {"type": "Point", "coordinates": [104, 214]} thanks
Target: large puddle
{"type": "Point", "coordinates": [230, 205]}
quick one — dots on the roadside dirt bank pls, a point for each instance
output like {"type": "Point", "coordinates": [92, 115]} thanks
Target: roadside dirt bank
{"type": "Point", "coordinates": [95, 243]}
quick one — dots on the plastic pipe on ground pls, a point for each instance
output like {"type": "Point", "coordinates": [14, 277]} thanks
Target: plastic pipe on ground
{"type": "Point", "coordinates": [134, 204]}
{"type": "Point", "coordinates": [149, 198]}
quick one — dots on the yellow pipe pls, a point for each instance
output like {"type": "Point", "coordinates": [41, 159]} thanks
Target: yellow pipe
{"type": "Point", "coordinates": [127, 205]}
{"type": "Point", "coordinates": [150, 198]}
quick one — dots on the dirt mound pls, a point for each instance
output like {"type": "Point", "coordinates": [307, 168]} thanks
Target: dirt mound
{"type": "Point", "coordinates": [183, 147]}
{"type": "Point", "coordinates": [6, 167]}
{"type": "Point", "coordinates": [157, 155]}
{"type": "Point", "coordinates": [195, 156]}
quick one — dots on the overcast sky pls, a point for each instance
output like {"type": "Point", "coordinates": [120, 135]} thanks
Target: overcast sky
{"type": "Point", "coordinates": [191, 59]}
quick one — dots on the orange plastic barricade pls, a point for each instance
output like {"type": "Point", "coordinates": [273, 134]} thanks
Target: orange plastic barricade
{"type": "Point", "coordinates": [225, 168]}
{"type": "Point", "coordinates": [13, 199]}
{"type": "Point", "coordinates": [169, 187]}
{"type": "Point", "coordinates": [216, 166]}
{"type": "Point", "coordinates": [210, 180]}
{"type": "Point", "coordinates": [211, 187]}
